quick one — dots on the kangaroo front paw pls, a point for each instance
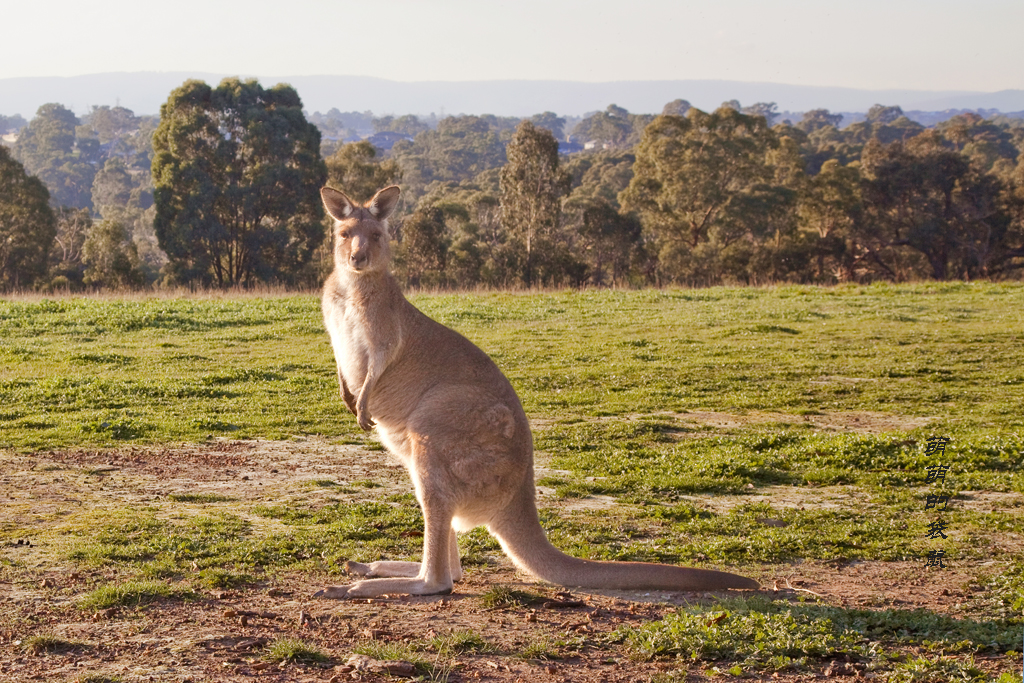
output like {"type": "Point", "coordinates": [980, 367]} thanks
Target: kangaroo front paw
{"type": "Point", "coordinates": [365, 422]}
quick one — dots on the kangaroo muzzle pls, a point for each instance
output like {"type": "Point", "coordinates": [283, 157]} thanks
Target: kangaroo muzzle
{"type": "Point", "coordinates": [359, 257]}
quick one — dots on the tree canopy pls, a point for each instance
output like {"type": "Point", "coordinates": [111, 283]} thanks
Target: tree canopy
{"type": "Point", "coordinates": [49, 149]}
{"type": "Point", "coordinates": [27, 225]}
{"type": "Point", "coordinates": [532, 185]}
{"type": "Point", "coordinates": [227, 186]}
{"type": "Point", "coordinates": [237, 173]}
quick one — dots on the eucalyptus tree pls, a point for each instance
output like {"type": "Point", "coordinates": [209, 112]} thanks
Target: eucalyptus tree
{"type": "Point", "coordinates": [49, 149]}
{"type": "Point", "coordinates": [237, 173]}
{"type": "Point", "coordinates": [27, 225]}
{"type": "Point", "coordinates": [532, 187]}
{"type": "Point", "coordinates": [688, 174]}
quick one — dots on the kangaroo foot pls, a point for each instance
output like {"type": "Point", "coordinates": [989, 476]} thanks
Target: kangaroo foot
{"type": "Point", "coordinates": [373, 588]}
{"type": "Point", "coordinates": [357, 569]}
{"type": "Point", "coordinates": [332, 592]}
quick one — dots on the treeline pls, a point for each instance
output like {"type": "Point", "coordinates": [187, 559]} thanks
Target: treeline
{"type": "Point", "coordinates": [221, 190]}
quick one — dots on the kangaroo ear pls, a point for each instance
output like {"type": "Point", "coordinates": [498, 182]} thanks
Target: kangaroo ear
{"type": "Point", "coordinates": [337, 203]}
{"type": "Point", "coordinates": [384, 202]}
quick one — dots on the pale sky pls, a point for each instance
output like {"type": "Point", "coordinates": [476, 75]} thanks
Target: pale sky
{"type": "Point", "coordinates": [870, 44]}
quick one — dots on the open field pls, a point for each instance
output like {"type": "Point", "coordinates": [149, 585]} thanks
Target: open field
{"type": "Point", "coordinates": [177, 476]}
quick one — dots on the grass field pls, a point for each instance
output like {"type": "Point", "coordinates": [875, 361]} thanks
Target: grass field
{"type": "Point", "coordinates": [752, 428]}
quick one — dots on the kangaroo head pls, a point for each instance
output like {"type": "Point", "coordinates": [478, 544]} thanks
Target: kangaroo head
{"type": "Point", "coordinates": [361, 240]}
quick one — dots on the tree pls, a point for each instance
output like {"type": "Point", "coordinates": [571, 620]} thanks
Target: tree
{"type": "Point", "coordinates": [769, 110]}
{"type": "Point", "coordinates": [237, 173]}
{"type": "Point", "coordinates": [111, 258]}
{"type": "Point", "coordinates": [989, 147]}
{"type": "Point", "coordinates": [676, 108]}
{"type": "Point", "coordinates": [553, 122]}
{"type": "Point", "coordinates": [924, 195]}
{"type": "Point", "coordinates": [47, 148]}
{"type": "Point", "coordinates": [407, 125]}
{"type": "Point", "coordinates": [110, 123]}
{"type": "Point", "coordinates": [532, 185]}
{"type": "Point", "coordinates": [66, 268]}
{"type": "Point", "coordinates": [356, 169]}
{"type": "Point", "coordinates": [27, 225]}
{"type": "Point", "coordinates": [459, 149]}
{"type": "Point", "coordinates": [687, 172]}
{"type": "Point", "coordinates": [478, 249]}
{"type": "Point", "coordinates": [817, 119]}
{"type": "Point", "coordinates": [1012, 246]}
{"type": "Point", "coordinates": [609, 242]}
{"type": "Point", "coordinates": [830, 206]}
{"type": "Point", "coordinates": [880, 113]}
{"type": "Point", "coordinates": [613, 127]}
{"type": "Point", "coordinates": [423, 253]}
{"type": "Point", "coordinates": [11, 123]}
{"type": "Point", "coordinates": [112, 188]}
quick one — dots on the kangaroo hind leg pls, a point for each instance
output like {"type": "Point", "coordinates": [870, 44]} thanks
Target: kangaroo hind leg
{"type": "Point", "coordinates": [391, 569]}
{"type": "Point", "coordinates": [435, 572]}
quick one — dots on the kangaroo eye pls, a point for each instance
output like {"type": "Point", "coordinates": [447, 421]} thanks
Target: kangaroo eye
{"type": "Point", "coordinates": [343, 234]}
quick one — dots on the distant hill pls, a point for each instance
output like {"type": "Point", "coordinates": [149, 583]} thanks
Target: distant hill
{"type": "Point", "coordinates": [144, 92]}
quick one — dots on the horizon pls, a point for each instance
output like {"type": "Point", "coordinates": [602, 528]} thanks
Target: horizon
{"type": "Point", "coordinates": [143, 92]}
{"type": "Point", "coordinates": [873, 45]}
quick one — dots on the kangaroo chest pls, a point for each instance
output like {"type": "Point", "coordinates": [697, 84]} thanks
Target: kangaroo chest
{"type": "Point", "coordinates": [361, 336]}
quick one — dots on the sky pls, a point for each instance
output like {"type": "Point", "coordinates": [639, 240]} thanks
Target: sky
{"type": "Point", "coordinates": [870, 44]}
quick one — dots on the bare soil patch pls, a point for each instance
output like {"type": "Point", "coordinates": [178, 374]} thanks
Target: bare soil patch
{"type": "Point", "coordinates": [224, 634]}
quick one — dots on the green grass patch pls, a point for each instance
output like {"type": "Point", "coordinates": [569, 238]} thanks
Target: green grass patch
{"type": "Point", "coordinates": [941, 670]}
{"type": "Point", "coordinates": [294, 650]}
{"type": "Point", "coordinates": [203, 498]}
{"type": "Point", "coordinates": [132, 594]}
{"type": "Point", "coordinates": [49, 643]}
{"type": "Point", "coordinates": [215, 577]}
{"type": "Point", "coordinates": [225, 547]}
{"type": "Point", "coordinates": [505, 596]}
{"type": "Point", "coordinates": [459, 642]}
{"type": "Point", "coordinates": [761, 634]}
{"type": "Point", "coordinates": [262, 367]}
{"type": "Point", "coordinates": [98, 678]}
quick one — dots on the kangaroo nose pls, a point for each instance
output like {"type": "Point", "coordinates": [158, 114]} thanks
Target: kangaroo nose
{"type": "Point", "coordinates": [359, 260]}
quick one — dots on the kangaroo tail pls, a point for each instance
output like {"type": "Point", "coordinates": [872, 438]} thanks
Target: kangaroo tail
{"type": "Point", "coordinates": [523, 540]}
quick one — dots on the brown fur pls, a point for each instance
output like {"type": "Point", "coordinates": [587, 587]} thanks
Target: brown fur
{"type": "Point", "coordinates": [445, 410]}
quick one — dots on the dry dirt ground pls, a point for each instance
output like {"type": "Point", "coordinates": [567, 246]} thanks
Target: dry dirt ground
{"type": "Point", "coordinates": [221, 636]}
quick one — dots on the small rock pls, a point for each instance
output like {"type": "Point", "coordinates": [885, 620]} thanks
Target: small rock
{"type": "Point", "coordinates": [250, 643]}
{"type": "Point", "coordinates": [230, 614]}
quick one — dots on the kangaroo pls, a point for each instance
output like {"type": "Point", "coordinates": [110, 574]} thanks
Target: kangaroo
{"type": "Point", "coordinates": [443, 408]}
